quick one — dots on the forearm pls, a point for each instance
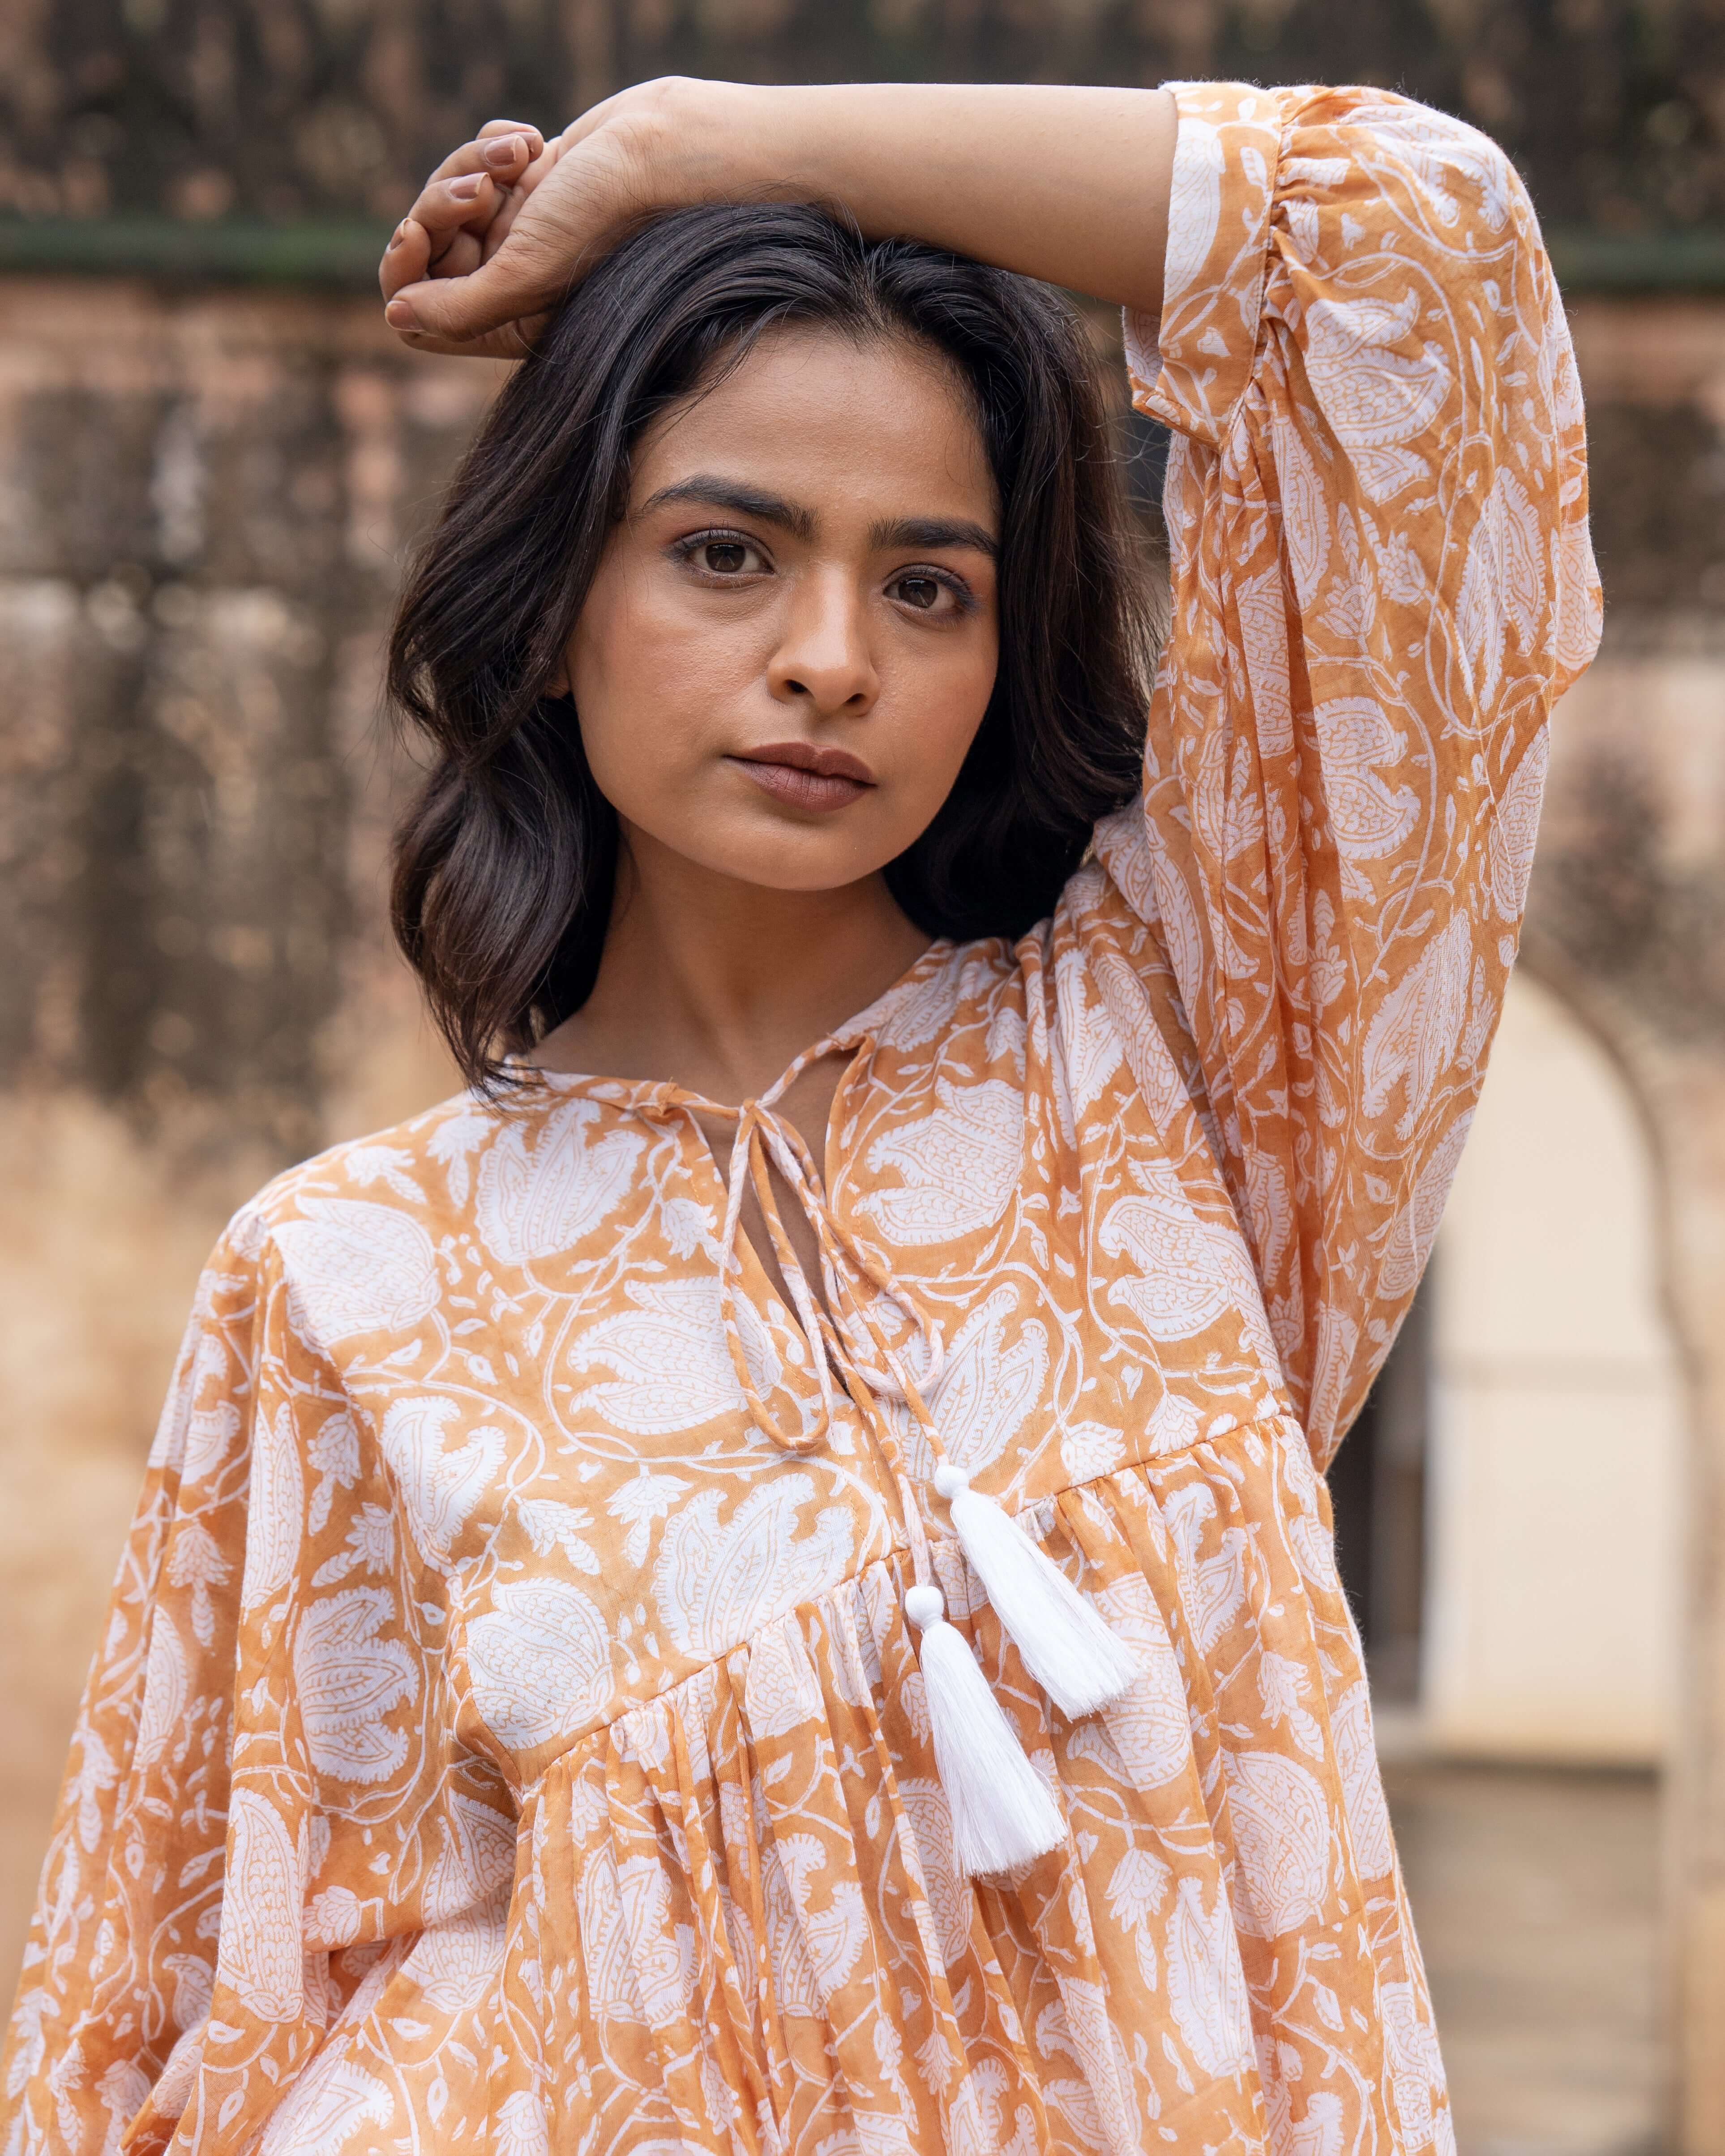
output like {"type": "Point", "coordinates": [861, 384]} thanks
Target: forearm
{"type": "Point", "coordinates": [1065, 183]}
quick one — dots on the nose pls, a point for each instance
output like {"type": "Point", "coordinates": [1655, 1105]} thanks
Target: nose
{"type": "Point", "coordinates": [823, 661]}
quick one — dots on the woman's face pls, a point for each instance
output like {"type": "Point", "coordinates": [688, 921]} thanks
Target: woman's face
{"type": "Point", "coordinates": [792, 637]}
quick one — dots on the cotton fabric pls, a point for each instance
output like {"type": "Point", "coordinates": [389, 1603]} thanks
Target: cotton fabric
{"type": "Point", "coordinates": [503, 1741]}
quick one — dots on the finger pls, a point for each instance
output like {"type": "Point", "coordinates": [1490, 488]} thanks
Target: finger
{"type": "Point", "coordinates": [471, 156]}
{"type": "Point", "coordinates": [519, 279]}
{"type": "Point", "coordinates": [460, 257]}
{"type": "Point", "coordinates": [513, 341]}
{"type": "Point", "coordinates": [466, 189]}
{"type": "Point", "coordinates": [495, 128]}
{"type": "Point", "coordinates": [447, 206]}
{"type": "Point", "coordinates": [407, 260]}
{"type": "Point", "coordinates": [514, 201]}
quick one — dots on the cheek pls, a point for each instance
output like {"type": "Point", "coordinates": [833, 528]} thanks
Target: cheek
{"type": "Point", "coordinates": [931, 705]}
{"type": "Point", "coordinates": [643, 684]}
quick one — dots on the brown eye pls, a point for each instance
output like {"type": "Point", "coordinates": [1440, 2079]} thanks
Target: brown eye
{"type": "Point", "coordinates": [921, 593]}
{"type": "Point", "coordinates": [725, 558]}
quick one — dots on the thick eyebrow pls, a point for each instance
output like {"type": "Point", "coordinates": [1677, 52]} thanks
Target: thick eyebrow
{"type": "Point", "coordinates": [714, 493]}
{"type": "Point", "coordinates": [916, 533]}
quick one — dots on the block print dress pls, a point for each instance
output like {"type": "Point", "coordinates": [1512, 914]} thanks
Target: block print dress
{"type": "Point", "coordinates": [508, 1737]}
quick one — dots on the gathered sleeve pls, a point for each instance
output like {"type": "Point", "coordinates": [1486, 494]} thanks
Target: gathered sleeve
{"type": "Point", "coordinates": [265, 1697]}
{"type": "Point", "coordinates": [1382, 581]}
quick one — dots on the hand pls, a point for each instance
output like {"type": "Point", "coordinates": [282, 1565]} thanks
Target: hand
{"type": "Point", "coordinates": [510, 222]}
{"type": "Point", "coordinates": [464, 211]}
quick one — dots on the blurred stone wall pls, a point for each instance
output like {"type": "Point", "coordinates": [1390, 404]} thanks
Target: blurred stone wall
{"type": "Point", "coordinates": [284, 108]}
{"type": "Point", "coordinates": [1627, 926]}
{"type": "Point", "coordinates": [203, 500]}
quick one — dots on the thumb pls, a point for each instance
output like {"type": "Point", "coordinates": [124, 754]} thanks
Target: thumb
{"type": "Point", "coordinates": [522, 278]}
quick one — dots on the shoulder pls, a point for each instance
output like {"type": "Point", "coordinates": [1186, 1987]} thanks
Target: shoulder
{"type": "Point", "coordinates": [404, 1169]}
{"type": "Point", "coordinates": [353, 1233]}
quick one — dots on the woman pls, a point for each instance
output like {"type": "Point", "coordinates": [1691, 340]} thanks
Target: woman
{"type": "Point", "coordinates": [757, 1582]}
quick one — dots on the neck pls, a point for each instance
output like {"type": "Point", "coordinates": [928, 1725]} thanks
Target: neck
{"type": "Point", "coordinates": [718, 984]}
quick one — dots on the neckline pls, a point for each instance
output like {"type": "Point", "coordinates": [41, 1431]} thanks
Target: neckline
{"type": "Point", "coordinates": [634, 1092]}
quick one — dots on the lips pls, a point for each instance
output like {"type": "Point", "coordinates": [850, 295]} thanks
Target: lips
{"type": "Point", "coordinates": [806, 777]}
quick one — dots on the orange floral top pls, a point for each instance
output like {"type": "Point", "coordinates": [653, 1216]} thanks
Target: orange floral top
{"type": "Point", "coordinates": [506, 1738]}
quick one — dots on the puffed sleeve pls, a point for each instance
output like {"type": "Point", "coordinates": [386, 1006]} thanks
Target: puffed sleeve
{"type": "Point", "coordinates": [267, 1689]}
{"type": "Point", "coordinates": [1382, 581]}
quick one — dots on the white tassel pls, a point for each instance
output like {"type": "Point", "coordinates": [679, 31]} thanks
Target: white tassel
{"type": "Point", "coordinates": [1066, 1646]}
{"type": "Point", "coordinates": [1002, 1815]}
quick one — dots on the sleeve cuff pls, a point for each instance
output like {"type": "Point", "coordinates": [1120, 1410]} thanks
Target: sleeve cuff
{"type": "Point", "coordinates": [1191, 369]}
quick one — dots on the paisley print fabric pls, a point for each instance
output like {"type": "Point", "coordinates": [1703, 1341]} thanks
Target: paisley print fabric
{"type": "Point", "coordinates": [506, 1738]}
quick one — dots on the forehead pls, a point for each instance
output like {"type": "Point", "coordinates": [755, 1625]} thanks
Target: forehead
{"type": "Point", "coordinates": [824, 419]}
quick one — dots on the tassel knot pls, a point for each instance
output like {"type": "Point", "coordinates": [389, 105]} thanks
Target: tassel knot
{"type": "Point", "coordinates": [1066, 1645]}
{"type": "Point", "coordinates": [1002, 1815]}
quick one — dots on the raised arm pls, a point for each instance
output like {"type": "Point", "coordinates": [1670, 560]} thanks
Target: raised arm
{"type": "Point", "coordinates": [1377, 505]}
{"type": "Point", "coordinates": [1065, 183]}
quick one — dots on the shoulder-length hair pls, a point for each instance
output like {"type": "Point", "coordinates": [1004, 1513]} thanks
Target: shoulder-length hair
{"type": "Point", "coordinates": [505, 864]}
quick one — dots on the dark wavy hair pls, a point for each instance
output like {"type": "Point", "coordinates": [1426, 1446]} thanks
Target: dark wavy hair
{"type": "Point", "coordinates": [505, 864]}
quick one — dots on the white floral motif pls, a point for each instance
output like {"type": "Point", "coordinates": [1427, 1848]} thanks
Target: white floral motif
{"type": "Point", "coordinates": [353, 1266]}
{"type": "Point", "coordinates": [1149, 1726]}
{"type": "Point", "coordinates": [349, 1680]}
{"type": "Point", "coordinates": [540, 1661]}
{"type": "Point", "coordinates": [477, 1861]}
{"type": "Point", "coordinates": [1282, 1831]}
{"type": "Point", "coordinates": [1371, 817]}
{"type": "Point", "coordinates": [540, 1196]}
{"type": "Point", "coordinates": [522, 2129]}
{"type": "Point", "coordinates": [1510, 837]}
{"type": "Point", "coordinates": [277, 1508]}
{"type": "Point", "coordinates": [1089, 1049]}
{"type": "Point", "coordinates": [166, 1683]}
{"type": "Point", "coordinates": [439, 1489]}
{"type": "Point", "coordinates": [1416, 2067]}
{"type": "Point", "coordinates": [1188, 1272]}
{"type": "Point", "coordinates": [1411, 1233]}
{"type": "Point", "coordinates": [958, 1165]}
{"type": "Point", "coordinates": [989, 1391]}
{"type": "Point", "coordinates": [671, 1369]}
{"type": "Point", "coordinates": [261, 1955]}
{"type": "Point", "coordinates": [1418, 1027]}
{"type": "Point", "coordinates": [1206, 1984]}
{"type": "Point", "coordinates": [816, 1942]}
{"type": "Point", "coordinates": [453, 1140]}
{"type": "Point", "coordinates": [951, 1896]}
{"type": "Point", "coordinates": [1194, 206]}
{"type": "Point", "coordinates": [717, 1585]}
{"type": "Point", "coordinates": [640, 1967]}
{"type": "Point", "coordinates": [782, 1691]}
{"type": "Point", "coordinates": [456, 1963]}
{"type": "Point", "coordinates": [1378, 387]}
{"type": "Point", "coordinates": [644, 1498]}
{"type": "Point", "coordinates": [1503, 585]}
{"type": "Point", "coordinates": [1362, 1804]}
{"type": "Point", "coordinates": [552, 1525]}
{"type": "Point", "coordinates": [331, 2102]}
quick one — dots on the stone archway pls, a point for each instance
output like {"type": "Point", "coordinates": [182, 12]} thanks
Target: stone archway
{"type": "Point", "coordinates": [1558, 1420]}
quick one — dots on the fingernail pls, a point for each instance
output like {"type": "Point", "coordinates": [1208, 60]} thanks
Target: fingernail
{"type": "Point", "coordinates": [504, 150]}
{"type": "Point", "coordinates": [395, 239]}
{"type": "Point", "coordinates": [400, 315]}
{"type": "Point", "coordinates": [464, 190]}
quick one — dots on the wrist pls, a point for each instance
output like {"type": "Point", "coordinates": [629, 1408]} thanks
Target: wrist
{"type": "Point", "coordinates": [701, 141]}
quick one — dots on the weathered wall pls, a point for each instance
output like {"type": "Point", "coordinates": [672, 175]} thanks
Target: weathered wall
{"type": "Point", "coordinates": [1627, 924]}
{"type": "Point", "coordinates": [204, 499]}
{"type": "Point", "coordinates": [300, 108]}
